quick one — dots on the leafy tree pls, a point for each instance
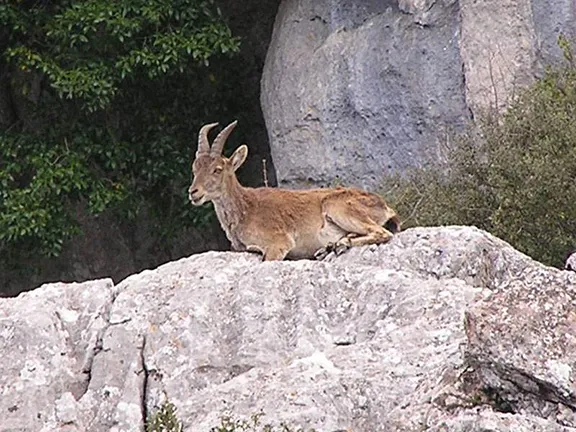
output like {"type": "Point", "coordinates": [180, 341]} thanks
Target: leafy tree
{"type": "Point", "coordinates": [111, 94]}
{"type": "Point", "coordinates": [512, 174]}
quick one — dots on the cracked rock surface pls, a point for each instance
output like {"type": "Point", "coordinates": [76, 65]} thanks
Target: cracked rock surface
{"type": "Point", "coordinates": [48, 340]}
{"type": "Point", "coordinates": [442, 329]}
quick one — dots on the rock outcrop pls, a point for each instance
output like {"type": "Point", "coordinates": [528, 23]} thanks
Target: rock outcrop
{"type": "Point", "coordinates": [352, 90]}
{"type": "Point", "coordinates": [442, 329]}
{"type": "Point", "coordinates": [571, 262]}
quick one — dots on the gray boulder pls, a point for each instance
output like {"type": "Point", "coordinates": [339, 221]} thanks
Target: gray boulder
{"type": "Point", "coordinates": [353, 90]}
{"type": "Point", "coordinates": [442, 329]}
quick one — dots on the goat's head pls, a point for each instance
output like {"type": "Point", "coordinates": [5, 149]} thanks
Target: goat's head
{"type": "Point", "coordinates": [211, 170]}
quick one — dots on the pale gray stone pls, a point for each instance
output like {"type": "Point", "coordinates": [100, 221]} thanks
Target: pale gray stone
{"type": "Point", "coordinates": [485, 420]}
{"type": "Point", "coordinates": [66, 409]}
{"type": "Point", "coordinates": [522, 342]}
{"type": "Point", "coordinates": [48, 339]}
{"type": "Point", "coordinates": [352, 90]}
{"type": "Point", "coordinates": [571, 262]}
{"type": "Point", "coordinates": [436, 330]}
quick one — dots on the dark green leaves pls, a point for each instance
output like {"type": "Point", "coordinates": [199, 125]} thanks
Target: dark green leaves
{"type": "Point", "coordinates": [123, 89]}
{"type": "Point", "coordinates": [88, 48]}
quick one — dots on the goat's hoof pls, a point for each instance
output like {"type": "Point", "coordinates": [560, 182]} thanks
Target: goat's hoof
{"type": "Point", "coordinates": [340, 248]}
{"type": "Point", "coordinates": [321, 253]}
{"type": "Point", "coordinates": [324, 252]}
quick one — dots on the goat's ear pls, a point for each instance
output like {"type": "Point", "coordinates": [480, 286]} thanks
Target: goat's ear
{"type": "Point", "coordinates": [239, 156]}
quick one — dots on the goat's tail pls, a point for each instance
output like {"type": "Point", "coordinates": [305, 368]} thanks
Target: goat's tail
{"type": "Point", "coordinates": [393, 224]}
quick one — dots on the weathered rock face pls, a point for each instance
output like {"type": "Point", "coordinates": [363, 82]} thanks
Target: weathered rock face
{"type": "Point", "coordinates": [48, 339]}
{"type": "Point", "coordinates": [571, 262]}
{"type": "Point", "coordinates": [442, 329]}
{"type": "Point", "coordinates": [352, 90]}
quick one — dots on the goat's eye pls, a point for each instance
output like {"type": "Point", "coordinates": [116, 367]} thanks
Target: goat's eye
{"type": "Point", "coordinates": [217, 170]}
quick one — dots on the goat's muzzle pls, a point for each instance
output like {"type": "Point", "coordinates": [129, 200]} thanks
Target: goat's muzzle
{"type": "Point", "coordinates": [196, 197]}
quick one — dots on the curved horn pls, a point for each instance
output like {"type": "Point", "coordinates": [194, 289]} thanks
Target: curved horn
{"type": "Point", "coordinates": [220, 140]}
{"type": "Point", "coordinates": [203, 144]}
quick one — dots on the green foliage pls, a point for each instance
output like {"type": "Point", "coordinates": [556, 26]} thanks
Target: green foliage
{"type": "Point", "coordinates": [513, 174]}
{"type": "Point", "coordinates": [254, 424]}
{"type": "Point", "coordinates": [164, 420]}
{"type": "Point", "coordinates": [53, 178]}
{"type": "Point", "coordinates": [125, 85]}
{"type": "Point", "coordinates": [88, 48]}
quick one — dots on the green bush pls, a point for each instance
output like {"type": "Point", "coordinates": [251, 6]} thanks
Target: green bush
{"type": "Point", "coordinates": [513, 174]}
{"type": "Point", "coordinates": [164, 420]}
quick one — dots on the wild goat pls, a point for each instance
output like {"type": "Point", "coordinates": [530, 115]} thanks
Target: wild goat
{"type": "Point", "coordinates": [280, 223]}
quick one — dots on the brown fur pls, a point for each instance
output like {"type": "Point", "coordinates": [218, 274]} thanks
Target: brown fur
{"type": "Point", "coordinates": [282, 223]}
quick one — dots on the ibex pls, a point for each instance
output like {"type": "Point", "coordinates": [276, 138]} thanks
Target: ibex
{"type": "Point", "coordinates": [282, 223]}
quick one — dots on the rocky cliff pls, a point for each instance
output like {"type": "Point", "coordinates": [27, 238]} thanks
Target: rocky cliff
{"type": "Point", "coordinates": [354, 89]}
{"type": "Point", "coordinates": [442, 329]}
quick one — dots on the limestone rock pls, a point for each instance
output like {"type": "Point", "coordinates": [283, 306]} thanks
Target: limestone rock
{"type": "Point", "coordinates": [442, 328]}
{"type": "Point", "coordinates": [48, 339]}
{"type": "Point", "coordinates": [353, 90]}
{"type": "Point", "coordinates": [571, 262]}
{"type": "Point", "coordinates": [497, 422]}
{"type": "Point", "coordinates": [524, 337]}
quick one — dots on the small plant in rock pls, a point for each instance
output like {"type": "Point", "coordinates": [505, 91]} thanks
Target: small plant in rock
{"type": "Point", "coordinates": [164, 420]}
{"type": "Point", "coordinates": [254, 424]}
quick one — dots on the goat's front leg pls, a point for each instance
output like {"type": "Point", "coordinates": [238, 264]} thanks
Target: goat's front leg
{"type": "Point", "coordinates": [254, 249]}
{"type": "Point", "coordinates": [278, 248]}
